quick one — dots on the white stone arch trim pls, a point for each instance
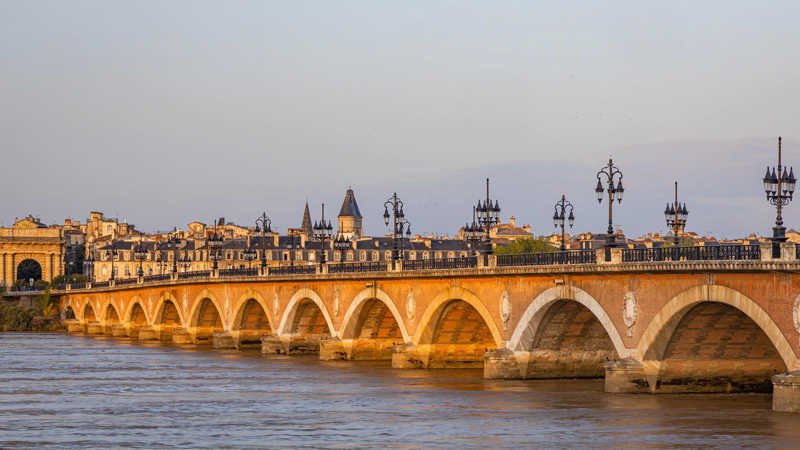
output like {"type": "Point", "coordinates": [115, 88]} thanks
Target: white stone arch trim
{"type": "Point", "coordinates": [162, 300]}
{"type": "Point", "coordinates": [195, 311]}
{"type": "Point", "coordinates": [126, 319]}
{"type": "Point", "coordinates": [653, 343]}
{"type": "Point", "coordinates": [427, 323]}
{"type": "Point", "coordinates": [243, 299]}
{"type": "Point", "coordinates": [291, 308]}
{"type": "Point", "coordinates": [87, 301]}
{"type": "Point", "coordinates": [524, 334]}
{"type": "Point", "coordinates": [350, 320]}
{"type": "Point", "coordinates": [109, 303]}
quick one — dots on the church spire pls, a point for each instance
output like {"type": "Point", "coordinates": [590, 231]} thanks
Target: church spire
{"type": "Point", "coordinates": [307, 222]}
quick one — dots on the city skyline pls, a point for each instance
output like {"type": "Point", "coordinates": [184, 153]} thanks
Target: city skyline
{"type": "Point", "coordinates": [169, 113]}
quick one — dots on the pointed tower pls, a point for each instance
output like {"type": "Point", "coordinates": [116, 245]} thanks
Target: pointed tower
{"type": "Point", "coordinates": [307, 223]}
{"type": "Point", "coordinates": [350, 216]}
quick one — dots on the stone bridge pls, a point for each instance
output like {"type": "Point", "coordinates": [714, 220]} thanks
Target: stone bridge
{"type": "Point", "coordinates": [656, 326]}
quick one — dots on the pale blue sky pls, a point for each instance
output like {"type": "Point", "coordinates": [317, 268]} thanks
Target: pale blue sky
{"type": "Point", "coordinates": [169, 112]}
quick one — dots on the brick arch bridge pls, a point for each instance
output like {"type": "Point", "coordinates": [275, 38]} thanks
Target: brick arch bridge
{"type": "Point", "coordinates": [655, 326]}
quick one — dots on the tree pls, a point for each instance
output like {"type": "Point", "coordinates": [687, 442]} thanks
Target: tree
{"type": "Point", "coordinates": [29, 269]}
{"type": "Point", "coordinates": [74, 278]}
{"type": "Point", "coordinates": [526, 245]}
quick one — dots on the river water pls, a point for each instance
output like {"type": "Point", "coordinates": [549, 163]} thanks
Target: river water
{"type": "Point", "coordinates": [72, 391]}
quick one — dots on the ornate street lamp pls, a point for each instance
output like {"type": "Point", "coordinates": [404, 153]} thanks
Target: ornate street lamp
{"type": "Point", "coordinates": [341, 244]}
{"type": "Point", "coordinates": [322, 232]}
{"type": "Point", "coordinates": [185, 263]}
{"type": "Point", "coordinates": [613, 193]}
{"type": "Point", "coordinates": [399, 222]}
{"type": "Point", "coordinates": [112, 253]}
{"type": "Point", "coordinates": [266, 227]}
{"type": "Point", "coordinates": [294, 240]}
{"type": "Point", "coordinates": [473, 233]}
{"type": "Point", "coordinates": [88, 266]}
{"type": "Point", "coordinates": [140, 254]}
{"type": "Point", "coordinates": [488, 216]}
{"type": "Point", "coordinates": [676, 216]}
{"type": "Point", "coordinates": [214, 244]}
{"type": "Point", "coordinates": [69, 254]}
{"type": "Point", "coordinates": [780, 189]}
{"type": "Point", "coordinates": [249, 254]}
{"type": "Point", "coordinates": [559, 215]}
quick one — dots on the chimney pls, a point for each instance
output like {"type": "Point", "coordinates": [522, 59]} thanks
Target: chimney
{"type": "Point", "coordinates": [511, 221]}
{"type": "Point", "coordinates": [527, 228]}
{"type": "Point", "coordinates": [649, 235]}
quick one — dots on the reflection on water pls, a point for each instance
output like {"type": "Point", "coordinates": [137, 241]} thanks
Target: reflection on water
{"type": "Point", "coordinates": [72, 391]}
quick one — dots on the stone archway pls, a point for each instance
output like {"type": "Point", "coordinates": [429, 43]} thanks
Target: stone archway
{"type": "Point", "coordinates": [29, 269]}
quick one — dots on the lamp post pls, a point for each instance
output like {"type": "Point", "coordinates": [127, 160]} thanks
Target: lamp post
{"type": "Point", "coordinates": [293, 241]}
{"type": "Point", "coordinates": [185, 263]}
{"type": "Point", "coordinates": [341, 244]}
{"type": "Point", "coordinates": [676, 216]}
{"type": "Point", "coordinates": [112, 253]}
{"type": "Point", "coordinates": [88, 266]}
{"type": "Point", "coordinates": [139, 254]}
{"type": "Point", "coordinates": [488, 216]}
{"type": "Point", "coordinates": [214, 243]}
{"type": "Point", "coordinates": [780, 189]}
{"type": "Point", "coordinates": [173, 241]}
{"type": "Point", "coordinates": [613, 193]}
{"type": "Point", "coordinates": [400, 222]}
{"type": "Point", "coordinates": [472, 233]}
{"type": "Point", "coordinates": [322, 232]}
{"type": "Point", "coordinates": [69, 252]}
{"type": "Point", "coordinates": [266, 227]}
{"type": "Point", "coordinates": [558, 218]}
{"type": "Point", "coordinates": [249, 254]}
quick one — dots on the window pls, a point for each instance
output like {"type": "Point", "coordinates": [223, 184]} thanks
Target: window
{"type": "Point", "coordinates": [127, 271]}
{"type": "Point", "coordinates": [451, 255]}
{"type": "Point", "coordinates": [349, 256]}
{"type": "Point", "coordinates": [362, 256]}
{"type": "Point", "coordinates": [127, 256]}
{"type": "Point", "coordinates": [170, 256]}
{"type": "Point", "coordinates": [229, 255]}
{"type": "Point", "coordinates": [105, 256]}
{"type": "Point", "coordinates": [299, 255]}
{"type": "Point", "coordinates": [438, 255]}
{"type": "Point", "coordinates": [412, 255]}
{"type": "Point", "coordinates": [387, 256]}
{"type": "Point", "coordinates": [269, 256]}
{"type": "Point", "coordinates": [376, 256]}
{"type": "Point", "coordinates": [311, 256]}
{"type": "Point", "coordinates": [149, 271]}
{"type": "Point", "coordinates": [148, 256]}
{"type": "Point", "coordinates": [463, 254]}
{"type": "Point", "coordinates": [104, 271]}
{"type": "Point", "coordinates": [108, 228]}
{"type": "Point", "coordinates": [426, 255]}
{"type": "Point", "coordinates": [285, 256]}
{"type": "Point", "coordinates": [337, 256]}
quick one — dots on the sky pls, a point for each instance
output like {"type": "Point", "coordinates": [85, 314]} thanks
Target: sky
{"type": "Point", "coordinates": [165, 113]}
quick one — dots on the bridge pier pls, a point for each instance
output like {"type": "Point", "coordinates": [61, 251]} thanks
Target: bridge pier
{"type": "Point", "coordinates": [274, 344]}
{"type": "Point", "coordinates": [331, 349]}
{"type": "Point", "coordinates": [223, 339]}
{"type": "Point", "coordinates": [502, 364]}
{"type": "Point", "coordinates": [182, 336]}
{"type": "Point", "coordinates": [94, 328]}
{"type": "Point", "coordinates": [120, 330]}
{"type": "Point", "coordinates": [73, 326]}
{"type": "Point", "coordinates": [625, 376]}
{"type": "Point", "coordinates": [786, 392]}
{"type": "Point", "coordinates": [147, 333]}
{"type": "Point", "coordinates": [407, 356]}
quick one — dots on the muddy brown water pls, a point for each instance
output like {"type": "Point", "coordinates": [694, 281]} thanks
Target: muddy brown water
{"type": "Point", "coordinates": [72, 391]}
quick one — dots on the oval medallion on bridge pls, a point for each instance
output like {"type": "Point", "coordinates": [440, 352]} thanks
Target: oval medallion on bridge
{"type": "Point", "coordinates": [275, 305]}
{"type": "Point", "coordinates": [629, 311]}
{"type": "Point", "coordinates": [505, 309]}
{"type": "Point", "coordinates": [411, 307]}
{"type": "Point", "coordinates": [336, 305]}
{"type": "Point", "coordinates": [796, 313]}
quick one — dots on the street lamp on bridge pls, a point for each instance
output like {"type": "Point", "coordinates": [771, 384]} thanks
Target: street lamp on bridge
{"type": "Point", "coordinates": [472, 233]}
{"type": "Point", "coordinates": [780, 189]}
{"type": "Point", "coordinates": [488, 216]}
{"type": "Point", "coordinates": [613, 193]}
{"type": "Point", "coordinates": [559, 215]}
{"type": "Point", "coordinates": [676, 216]}
{"type": "Point", "coordinates": [264, 228]}
{"type": "Point", "coordinates": [214, 244]}
{"type": "Point", "coordinates": [341, 244]}
{"type": "Point", "coordinates": [140, 254]}
{"type": "Point", "coordinates": [399, 222]}
{"type": "Point", "coordinates": [322, 232]}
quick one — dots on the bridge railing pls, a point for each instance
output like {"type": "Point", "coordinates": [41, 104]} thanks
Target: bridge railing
{"type": "Point", "coordinates": [78, 285]}
{"type": "Point", "coordinates": [101, 284]}
{"type": "Point", "coordinates": [469, 262]}
{"type": "Point", "coordinates": [193, 275]}
{"type": "Point", "coordinates": [126, 281]}
{"type": "Point", "coordinates": [157, 278]}
{"type": "Point", "coordinates": [548, 258]}
{"type": "Point", "coordinates": [372, 266]}
{"type": "Point", "coordinates": [292, 270]}
{"type": "Point", "coordinates": [251, 272]}
{"type": "Point", "coordinates": [693, 253]}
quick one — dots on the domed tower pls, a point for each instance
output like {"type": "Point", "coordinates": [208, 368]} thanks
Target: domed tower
{"type": "Point", "coordinates": [350, 216]}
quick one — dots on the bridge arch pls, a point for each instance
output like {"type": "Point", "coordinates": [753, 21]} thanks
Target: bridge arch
{"type": "Point", "coordinates": [206, 317]}
{"type": "Point", "coordinates": [525, 333]}
{"type": "Point", "coordinates": [167, 316]}
{"type": "Point", "coordinates": [109, 315]}
{"type": "Point", "coordinates": [88, 314]}
{"type": "Point", "coordinates": [252, 319]}
{"type": "Point", "coordinates": [298, 299]}
{"type": "Point", "coordinates": [460, 305]}
{"type": "Point", "coordinates": [692, 324]}
{"type": "Point", "coordinates": [351, 317]}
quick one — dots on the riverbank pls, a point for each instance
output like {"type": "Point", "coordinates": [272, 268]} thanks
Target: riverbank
{"type": "Point", "coordinates": [20, 318]}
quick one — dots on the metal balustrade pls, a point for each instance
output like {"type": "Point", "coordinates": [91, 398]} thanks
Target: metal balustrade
{"type": "Point", "coordinates": [693, 253]}
{"type": "Point", "coordinates": [548, 258]}
{"type": "Point", "coordinates": [251, 272]}
{"type": "Point", "coordinates": [156, 278]}
{"type": "Point", "coordinates": [101, 284]}
{"type": "Point", "coordinates": [293, 270]}
{"type": "Point", "coordinates": [126, 281]}
{"type": "Point", "coordinates": [193, 275]}
{"type": "Point", "coordinates": [469, 262]}
{"type": "Point", "coordinates": [374, 266]}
